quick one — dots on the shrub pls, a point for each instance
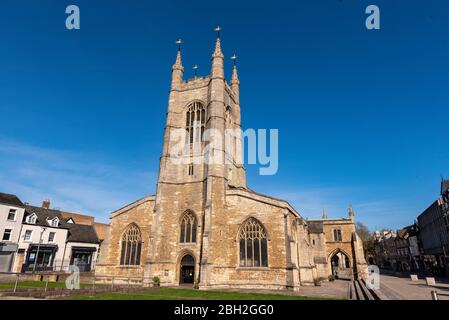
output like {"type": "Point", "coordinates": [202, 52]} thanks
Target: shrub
{"type": "Point", "coordinates": [156, 281]}
{"type": "Point", "coordinates": [331, 277]}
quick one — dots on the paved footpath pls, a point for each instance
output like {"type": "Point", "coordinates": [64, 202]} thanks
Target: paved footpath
{"type": "Point", "coordinates": [337, 289]}
{"type": "Point", "coordinates": [397, 288]}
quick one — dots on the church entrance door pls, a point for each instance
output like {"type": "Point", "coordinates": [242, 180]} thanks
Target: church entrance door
{"type": "Point", "coordinates": [341, 266]}
{"type": "Point", "coordinates": [187, 270]}
{"type": "Point", "coordinates": [334, 264]}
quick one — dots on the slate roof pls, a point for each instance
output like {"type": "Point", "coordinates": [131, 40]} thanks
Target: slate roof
{"type": "Point", "coordinates": [11, 199]}
{"type": "Point", "coordinates": [44, 214]}
{"type": "Point", "coordinates": [315, 226]}
{"type": "Point", "coordinates": [82, 233]}
{"type": "Point", "coordinates": [77, 232]}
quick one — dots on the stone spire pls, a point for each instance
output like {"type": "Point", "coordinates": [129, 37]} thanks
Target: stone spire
{"type": "Point", "coordinates": [177, 68]}
{"type": "Point", "coordinates": [235, 83]}
{"type": "Point", "coordinates": [324, 216]}
{"type": "Point", "coordinates": [235, 76]}
{"type": "Point", "coordinates": [178, 62]}
{"type": "Point", "coordinates": [351, 212]}
{"type": "Point", "coordinates": [217, 58]}
{"type": "Point", "coordinates": [217, 51]}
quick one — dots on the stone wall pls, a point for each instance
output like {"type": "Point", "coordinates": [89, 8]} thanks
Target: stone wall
{"type": "Point", "coordinates": [140, 213]}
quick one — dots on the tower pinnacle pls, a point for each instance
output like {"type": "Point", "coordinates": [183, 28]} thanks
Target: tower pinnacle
{"type": "Point", "coordinates": [178, 54]}
{"type": "Point", "coordinates": [324, 216]}
{"type": "Point", "coordinates": [235, 83]}
{"type": "Point", "coordinates": [217, 51]}
{"type": "Point", "coordinates": [217, 58]}
{"type": "Point", "coordinates": [351, 212]}
{"type": "Point", "coordinates": [235, 76]}
{"type": "Point", "coordinates": [177, 68]}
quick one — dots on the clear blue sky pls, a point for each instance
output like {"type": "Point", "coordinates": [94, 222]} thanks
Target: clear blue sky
{"type": "Point", "coordinates": [362, 115]}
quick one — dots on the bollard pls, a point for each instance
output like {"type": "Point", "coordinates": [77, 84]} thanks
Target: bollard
{"type": "Point", "coordinates": [93, 283]}
{"type": "Point", "coordinates": [46, 284]}
{"type": "Point", "coordinates": [434, 295]}
{"type": "Point", "coordinates": [112, 284]}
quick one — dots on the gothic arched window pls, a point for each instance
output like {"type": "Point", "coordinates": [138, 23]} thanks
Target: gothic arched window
{"type": "Point", "coordinates": [195, 122]}
{"type": "Point", "coordinates": [188, 228]}
{"type": "Point", "coordinates": [131, 246]}
{"type": "Point", "coordinates": [253, 244]}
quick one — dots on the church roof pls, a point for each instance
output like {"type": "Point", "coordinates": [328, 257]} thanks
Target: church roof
{"type": "Point", "coordinates": [315, 226]}
{"type": "Point", "coordinates": [273, 201]}
{"type": "Point", "coordinates": [132, 205]}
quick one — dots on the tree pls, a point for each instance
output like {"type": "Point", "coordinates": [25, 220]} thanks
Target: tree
{"type": "Point", "coordinates": [367, 238]}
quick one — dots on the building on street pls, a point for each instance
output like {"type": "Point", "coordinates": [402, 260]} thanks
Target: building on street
{"type": "Point", "coordinates": [407, 247]}
{"type": "Point", "coordinates": [40, 239]}
{"type": "Point", "coordinates": [433, 225]}
{"type": "Point", "coordinates": [43, 239]}
{"type": "Point", "coordinates": [11, 215]}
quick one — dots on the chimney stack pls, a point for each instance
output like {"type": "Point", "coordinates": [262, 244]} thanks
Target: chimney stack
{"type": "Point", "coordinates": [46, 204]}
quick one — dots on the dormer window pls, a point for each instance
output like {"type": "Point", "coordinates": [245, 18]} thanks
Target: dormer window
{"type": "Point", "coordinates": [31, 219]}
{"type": "Point", "coordinates": [53, 222]}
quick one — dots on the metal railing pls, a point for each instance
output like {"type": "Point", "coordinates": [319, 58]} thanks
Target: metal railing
{"type": "Point", "coordinates": [436, 295]}
{"type": "Point", "coordinates": [11, 282]}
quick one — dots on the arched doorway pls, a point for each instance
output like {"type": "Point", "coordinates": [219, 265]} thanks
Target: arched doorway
{"type": "Point", "coordinates": [334, 263]}
{"type": "Point", "coordinates": [341, 265]}
{"type": "Point", "coordinates": [187, 275]}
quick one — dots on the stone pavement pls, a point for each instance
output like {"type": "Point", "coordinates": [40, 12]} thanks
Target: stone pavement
{"type": "Point", "coordinates": [399, 288]}
{"type": "Point", "coordinates": [337, 289]}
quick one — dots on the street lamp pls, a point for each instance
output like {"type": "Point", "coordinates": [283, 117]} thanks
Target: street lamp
{"type": "Point", "coordinates": [38, 248]}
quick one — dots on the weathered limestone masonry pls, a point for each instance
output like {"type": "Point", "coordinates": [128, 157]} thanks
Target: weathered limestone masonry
{"type": "Point", "coordinates": [138, 213]}
{"type": "Point", "coordinates": [204, 226]}
{"type": "Point", "coordinates": [327, 247]}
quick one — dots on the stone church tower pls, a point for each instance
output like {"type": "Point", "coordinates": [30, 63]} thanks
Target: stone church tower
{"type": "Point", "coordinates": [204, 226]}
{"type": "Point", "coordinates": [195, 185]}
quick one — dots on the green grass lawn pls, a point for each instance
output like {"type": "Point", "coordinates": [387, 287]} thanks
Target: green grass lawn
{"type": "Point", "coordinates": [191, 294]}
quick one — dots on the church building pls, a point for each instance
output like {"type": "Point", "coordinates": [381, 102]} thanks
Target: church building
{"type": "Point", "coordinates": [204, 226]}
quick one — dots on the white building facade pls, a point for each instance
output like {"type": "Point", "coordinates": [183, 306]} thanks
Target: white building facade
{"type": "Point", "coordinates": [11, 215]}
{"type": "Point", "coordinates": [40, 239]}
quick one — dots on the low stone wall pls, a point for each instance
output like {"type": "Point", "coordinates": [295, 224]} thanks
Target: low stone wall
{"type": "Point", "coordinates": [62, 293]}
